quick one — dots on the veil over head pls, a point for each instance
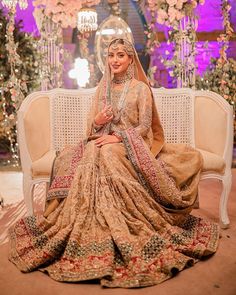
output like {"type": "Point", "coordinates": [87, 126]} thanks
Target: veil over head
{"type": "Point", "coordinates": [104, 88]}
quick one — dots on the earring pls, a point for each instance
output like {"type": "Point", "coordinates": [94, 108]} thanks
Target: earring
{"type": "Point", "coordinates": [130, 70]}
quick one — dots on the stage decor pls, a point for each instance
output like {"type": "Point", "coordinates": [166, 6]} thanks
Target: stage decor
{"type": "Point", "coordinates": [112, 27]}
{"type": "Point", "coordinates": [183, 61]}
{"type": "Point", "coordinates": [151, 44]}
{"type": "Point", "coordinates": [51, 46]}
{"type": "Point", "coordinates": [63, 12]}
{"type": "Point", "coordinates": [23, 4]}
{"type": "Point", "coordinates": [179, 16]}
{"type": "Point", "coordinates": [114, 7]}
{"type": "Point", "coordinates": [80, 72]}
{"type": "Point", "coordinates": [52, 16]}
{"type": "Point", "coordinates": [220, 76]}
{"type": "Point", "coordinates": [87, 20]}
{"type": "Point", "coordinates": [19, 76]}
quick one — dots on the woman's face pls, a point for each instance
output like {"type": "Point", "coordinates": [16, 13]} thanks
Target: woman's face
{"type": "Point", "coordinates": [118, 59]}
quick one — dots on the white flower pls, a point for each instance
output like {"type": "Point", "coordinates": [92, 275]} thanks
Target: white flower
{"type": "Point", "coordinates": [194, 4]}
{"type": "Point", "coordinates": [171, 2]}
{"type": "Point", "coordinates": [179, 4]}
{"type": "Point", "coordinates": [162, 13]}
{"type": "Point", "coordinates": [172, 12]}
{"type": "Point", "coordinates": [160, 20]}
{"type": "Point", "coordinates": [161, 16]}
{"type": "Point", "coordinates": [179, 15]}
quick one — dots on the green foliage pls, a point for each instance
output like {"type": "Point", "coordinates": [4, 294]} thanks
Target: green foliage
{"type": "Point", "coordinates": [26, 74]}
{"type": "Point", "coordinates": [28, 70]}
{"type": "Point", "coordinates": [220, 79]}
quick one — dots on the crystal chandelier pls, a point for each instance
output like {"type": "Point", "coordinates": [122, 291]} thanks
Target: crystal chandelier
{"type": "Point", "coordinates": [87, 20]}
{"type": "Point", "coordinates": [12, 3]}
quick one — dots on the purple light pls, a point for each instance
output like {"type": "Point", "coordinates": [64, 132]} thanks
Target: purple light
{"type": "Point", "coordinates": [210, 17]}
{"type": "Point", "coordinates": [27, 17]}
{"type": "Point", "coordinates": [210, 20]}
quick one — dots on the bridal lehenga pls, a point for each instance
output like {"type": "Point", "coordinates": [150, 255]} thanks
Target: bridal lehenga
{"type": "Point", "coordinates": [119, 213]}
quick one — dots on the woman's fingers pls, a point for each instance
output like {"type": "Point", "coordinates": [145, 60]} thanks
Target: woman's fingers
{"type": "Point", "coordinates": [99, 140]}
{"type": "Point", "coordinates": [107, 111]}
{"type": "Point", "coordinates": [102, 140]}
{"type": "Point", "coordinates": [105, 116]}
{"type": "Point", "coordinates": [105, 139]}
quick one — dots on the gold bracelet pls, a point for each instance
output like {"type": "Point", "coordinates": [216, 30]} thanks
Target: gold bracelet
{"type": "Point", "coordinates": [96, 126]}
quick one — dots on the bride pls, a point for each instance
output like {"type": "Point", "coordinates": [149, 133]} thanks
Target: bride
{"type": "Point", "coordinates": [119, 203]}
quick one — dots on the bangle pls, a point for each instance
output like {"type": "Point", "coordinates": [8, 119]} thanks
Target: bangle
{"type": "Point", "coordinates": [96, 127]}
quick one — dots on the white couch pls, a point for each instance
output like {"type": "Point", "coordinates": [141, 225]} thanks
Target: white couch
{"type": "Point", "coordinates": [47, 121]}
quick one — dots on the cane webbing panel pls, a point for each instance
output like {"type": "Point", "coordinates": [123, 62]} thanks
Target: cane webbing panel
{"type": "Point", "coordinates": [176, 112]}
{"type": "Point", "coordinates": [69, 113]}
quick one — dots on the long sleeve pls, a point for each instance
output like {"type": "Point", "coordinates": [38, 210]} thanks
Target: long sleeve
{"type": "Point", "coordinates": [92, 113]}
{"type": "Point", "coordinates": [145, 110]}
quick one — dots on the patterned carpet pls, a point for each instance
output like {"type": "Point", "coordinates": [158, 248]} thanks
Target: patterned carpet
{"type": "Point", "coordinates": [13, 204]}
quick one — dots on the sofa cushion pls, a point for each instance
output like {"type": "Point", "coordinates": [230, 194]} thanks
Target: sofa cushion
{"type": "Point", "coordinates": [43, 166]}
{"type": "Point", "coordinates": [212, 162]}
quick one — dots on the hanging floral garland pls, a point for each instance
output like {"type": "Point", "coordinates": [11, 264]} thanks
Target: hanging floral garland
{"type": "Point", "coordinates": [151, 44]}
{"type": "Point", "coordinates": [220, 76]}
{"type": "Point", "coordinates": [63, 12]}
{"type": "Point", "coordinates": [170, 12]}
{"type": "Point", "coordinates": [114, 7]}
{"type": "Point", "coordinates": [19, 67]}
{"type": "Point", "coordinates": [13, 87]}
{"type": "Point", "coordinates": [221, 73]}
{"type": "Point", "coordinates": [173, 13]}
{"type": "Point", "coordinates": [51, 46]}
{"type": "Point", "coordinates": [223, 64]}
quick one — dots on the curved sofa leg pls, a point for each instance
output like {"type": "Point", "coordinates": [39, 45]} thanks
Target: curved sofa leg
{"type": "Point", "coordinates": [227, 182]}
{"type": "Point", "coordinates": [28, 189]}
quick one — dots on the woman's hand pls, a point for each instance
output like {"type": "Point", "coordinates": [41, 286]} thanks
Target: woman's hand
{"type": "Point", "coordinates": [105, 116]}
{"type": "Point", "coordinates": [105, 139]}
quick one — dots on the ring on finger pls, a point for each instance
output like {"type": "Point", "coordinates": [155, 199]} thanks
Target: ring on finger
{"type": "Point", "coordinates": [108, 114]}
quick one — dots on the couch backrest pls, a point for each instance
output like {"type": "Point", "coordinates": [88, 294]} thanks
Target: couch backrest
{"type": "Point", "coordinates": [57, 118]}
{"type": "Point", "coordinates": [176, 110]}
{"type": "Point", "coordinates": [69, 111]}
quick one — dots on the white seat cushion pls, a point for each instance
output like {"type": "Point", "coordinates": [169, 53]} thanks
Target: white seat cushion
{"type": "Point", "coordinates": [212, 162]}
{"type": "Point", "coordinates": [43, 166]}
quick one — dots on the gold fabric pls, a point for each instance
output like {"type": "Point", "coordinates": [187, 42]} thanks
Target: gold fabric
{"type": "Point", "coordinates": [110, 226]}
{"type": "Point", "coordinates": [118, 213]}
{"type": "Point", "coordinates": [103, 94]}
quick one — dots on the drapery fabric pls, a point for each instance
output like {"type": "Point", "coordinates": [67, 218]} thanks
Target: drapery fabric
{"type": "Point", "coordinates": [119, 213]}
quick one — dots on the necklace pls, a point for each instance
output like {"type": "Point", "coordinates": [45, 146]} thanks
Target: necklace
{"type": "Point", "coordinates": [121, 102]}
{"type": "Point", "coordinates": [122, 79]}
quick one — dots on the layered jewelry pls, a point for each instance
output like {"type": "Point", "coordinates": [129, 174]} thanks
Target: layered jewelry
{"type": "Point", "coordinates": [121, 103]}
{"type": "Point", "coordinates": [129, 74]}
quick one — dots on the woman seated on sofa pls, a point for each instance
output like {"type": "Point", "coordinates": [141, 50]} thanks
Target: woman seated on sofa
{"type": "Point", "coordinates": [119, 203]}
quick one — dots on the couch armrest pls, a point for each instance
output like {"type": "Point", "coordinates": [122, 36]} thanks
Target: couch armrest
{"type": "Point", "coordinates": [33, 128]}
